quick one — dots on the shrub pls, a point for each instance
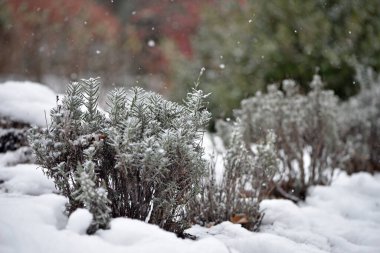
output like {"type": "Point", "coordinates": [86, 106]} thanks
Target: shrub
{"type": "Point", "coordinates": [246, 181]}
{"type": "Point", "coordinates": [306, 126]}
{"type": "Point", "coordinates": [143, 160]}
{"type": "Point", "coordinates": [360, 124]}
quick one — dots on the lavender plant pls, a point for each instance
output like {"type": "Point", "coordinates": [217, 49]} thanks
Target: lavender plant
{"type": "Point", "coordinates": [306, 126]}
{"type": "Point", "coordinates": [360, 124]}
{"type": "Point", "coordinates": [143, 160]}
{"type": "Point", "coordinates": [246, 182]}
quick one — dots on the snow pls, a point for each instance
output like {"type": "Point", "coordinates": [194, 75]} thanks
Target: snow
{"type": "Point", "coordinates": [32, 220]}
{"type": "Point", "coordinates": [26, 102]}
{"type": "Point", "coordinates": [13, 157]}
{"type": "Point", "coordinates": [143, 237]}
{"type": "Point", "coordinates": [151, 43]}
{"type": "Point", "coordinates": [344, 217]}
{"type": "Point", "coordinates": [25, 179]}
{"type": "Point", "coordinates": [79, 221]}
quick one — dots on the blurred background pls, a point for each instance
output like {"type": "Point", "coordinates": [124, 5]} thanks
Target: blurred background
{"type": "Point", "coordinates": [161, 45]}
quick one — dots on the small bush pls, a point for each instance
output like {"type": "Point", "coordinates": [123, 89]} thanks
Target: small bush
{"type": "Point", "coordinates": [360, 124]}
{"type": "Point", "coordinates": [246, 181]}
{"type": "Point", "coordinates": [306, 127]}
{"type": "Point", "coordinates": [143, 160]}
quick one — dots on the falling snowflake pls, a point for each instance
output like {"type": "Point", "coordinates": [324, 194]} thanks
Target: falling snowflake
{"type": "Point", "coordinates": [151, 43]}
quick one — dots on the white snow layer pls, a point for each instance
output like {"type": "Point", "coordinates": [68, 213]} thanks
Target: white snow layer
{"type": "Point", "coordinates": [26, 102]}
{"type": "Point", "coordinates": [79, 221]}
{"type": "Point", "coordinates": [344, 217]}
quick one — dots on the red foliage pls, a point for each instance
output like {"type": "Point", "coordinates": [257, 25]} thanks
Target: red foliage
{"type": "Point", "coordinates": [62, 11]}
{"type": "Point", "coordinates": [58, 37]}
{"type": "Point", "coordinates": [176, 20]}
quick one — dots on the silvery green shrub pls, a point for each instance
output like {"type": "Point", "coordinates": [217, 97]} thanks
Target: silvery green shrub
{"type": "Point", "coordinates": [142, 160]}
{"type": "Point", "coordinates": [360, 123]}
{"type": "Point", "coordinates": [246, 181]}
{"type": "Point", "coordinates": [308, 142]}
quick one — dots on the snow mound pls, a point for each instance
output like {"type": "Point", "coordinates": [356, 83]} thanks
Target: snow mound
{"type": "Point", "coordinates": [21, 155]}
{"type": "Point", "coordinates": [79, 221]}
{"type": "Point", "coordinates": [37, 224]}
{"type": "Point", "coordinates": [26, 102]}
{"type": "Point", "coordinates": [343, 217]}
{"type": "Point", "coordinates": [143, 237]}
{"type": "Point", "coordinates": [25, 179]}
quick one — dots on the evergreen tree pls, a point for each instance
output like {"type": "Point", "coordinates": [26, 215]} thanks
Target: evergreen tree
{"type": "Point", "coordinates": [263, 42]}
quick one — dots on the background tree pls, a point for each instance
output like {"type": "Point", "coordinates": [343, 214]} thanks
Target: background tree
{"type": "Point", "coordinates": [247, 45]}
{"type": "Point", "coordinates": [64, 39]}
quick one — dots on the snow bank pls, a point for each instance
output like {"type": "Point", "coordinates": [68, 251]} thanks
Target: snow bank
{"type": "Point", "coordinates": [34, 224]}
{"type": "Point", "coordinates": [26, 102]}
{"type": "Point", "coordinates": [79, 221]}
{"type": "Point", "coordinates": [25, 179]}
{"type": "Point", "coordinates": [21, 155]}
{"type": "Point", "coordinates": [342, 218]}
{"type": "Point", "coordinates": [241, 240]}
{"type": "Point", "coordinates": [138, 236]}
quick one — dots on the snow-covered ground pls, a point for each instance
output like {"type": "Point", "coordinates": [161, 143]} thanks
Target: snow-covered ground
{"type": "Point", "coordinates": [343, 217]}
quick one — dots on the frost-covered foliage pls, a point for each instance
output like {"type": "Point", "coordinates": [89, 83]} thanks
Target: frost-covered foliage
{"type": "Point", "coordinates": [306, 127]}
{"type": "Point", "coordinates": [143, 161]}
{"type": "Point", "coordinates": [360, 123]}
{"type": "Point", "coordinates": [246, 181]}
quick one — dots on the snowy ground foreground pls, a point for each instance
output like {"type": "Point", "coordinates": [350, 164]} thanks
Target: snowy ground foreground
{"type": "Point", "coordinates": [342, 218]}
{"type": "Point", "coordinates": [32, 220]}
